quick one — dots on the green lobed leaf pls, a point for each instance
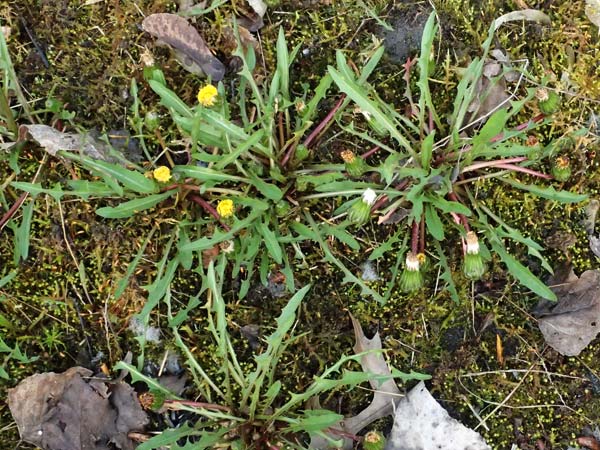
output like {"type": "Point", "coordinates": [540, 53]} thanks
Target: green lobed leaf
{"type": "Point", "coordinates": [449, 206]}
{"type": "Point", "coordinates": [131, 179]}
{"type": "Point", "coordinates": [434, 223]}
{"type": "Point", "coordinates": [427, 150]}
{"type": "Point", "coordinates": [170, 99]}
{"type": "Point", "coordinates": [270, 242]}
{"type": "Point", "coordinates": [316, 420]}
{"type": "Point", "coordinates": [128, 209]}
{"type": "Point", "coordinates": [36, 188]}
{"type": "Point", "coordinates": [22, 233]}
{"type": "Point", "coordinates": [271, 191]}
{"type": "Point", "coordinates": [359, 96]}
{"type": "Point", "coordinates": [520, 272]}
{"type": "Point", "coordinates": [547, 192]}
{"type": "Point", "coordinates": [342, 235]}
{"type": "Point", "coordinates": [136, 375]}
{"type": "Point", "coordinates": [283, 64]}
{"type": "Point", "coordinates": [493, 127]}
{"type": "Point", "coordinates": [206, 174]}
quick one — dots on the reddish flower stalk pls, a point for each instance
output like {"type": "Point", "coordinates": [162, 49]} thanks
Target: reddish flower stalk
{"type": "Point", "coordinates": [370, 152]}
{"type": "Point", "coordinates": [534, 173]}
{"type": "Point", "coordinates": [462, 219]}
{"type": "Point", "coordinates": [495, 163]}
{"type": "Point", "coordinates": [212, 406]}
{"type": "Point", "coordinates": [343, 433]}
{"type": "Point", "coordinates": [209, 209]}
{"type": "Point", "coordinates": [379, 203]}
{"type": "Point", "coordinates": [13, 209]}
{"type": "Point", "coordinates": [318, 129]}
{"type": "Point", "coordinates": [422, 234]}
{"type": "Point", "coordinates": [415, 237]}
{"type": "Point", "coordinates": [496, 138]}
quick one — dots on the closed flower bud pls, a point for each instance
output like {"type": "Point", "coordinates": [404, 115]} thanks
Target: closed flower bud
{"type": "Point", "coordinates": [473, 265]}
{"type": "Point", "coordinates": [411, 278]}
{"type": "Point", "coordinates": [301, 152]}
{"type": "Point", "coordinates": [360, 211]}
{"type": "Point", "coordinates": [152, 400]}
{"type": "Point", "coordinates": [355, 165]}
{"type": "Point", "coordinates": [548, 101]}
{"type": "Point", "coordinates": [151, 120]}
{"type": "Point", "coordinates": [373, 440]}
{"type": "Point", "coordinates": [561, 168]}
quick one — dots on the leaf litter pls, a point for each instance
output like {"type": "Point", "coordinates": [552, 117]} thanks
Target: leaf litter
{"type": "Point", "coordinates": [572, 322]}
{"type": "Point", "coordinates": [179, 34]}
{"type": "Point", "coordinates": [420, 422]}
{"type": "Point", "coordinates": [74, 411]}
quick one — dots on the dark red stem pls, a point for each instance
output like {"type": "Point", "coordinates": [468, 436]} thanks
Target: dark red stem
{"type": "Point", "coordinates": [422, 235]}
{"type": "Point", "coordinates": [452, 196]}
{"type": "Point", "coordinates": [515, 168]}
{"type": "Point", "coordinates": [415, 237]}
{"type": "Point", "coordinates": [328, 118]}
{"type": "Point", "coordinates": [496, 138]}
{"type": "Point", "coordinates": [313, 135]}
{"type": "Point", "coordinates": [209, 209]}
{"type": "Point", "coordinates": [379, 203]}
{"type": "Point", "coordinates": [370, 152]}
{"type": "Point", "coordinates": [13, 209]}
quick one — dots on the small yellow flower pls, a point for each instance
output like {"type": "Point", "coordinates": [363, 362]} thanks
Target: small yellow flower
{"type": "Point", "coordinates": [225, 208]}
{"type": "Point", "coordinates": [207, 95]}
{"type": "Point", "coordinates": [162, 174]}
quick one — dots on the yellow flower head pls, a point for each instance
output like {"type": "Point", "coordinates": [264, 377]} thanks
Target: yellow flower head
{"type": "Point", "coordinates": [225, 208]}
{"type": "Point", "coordinates": [207, 95]}
{"type": "Point", "coordinates": [162, 174]}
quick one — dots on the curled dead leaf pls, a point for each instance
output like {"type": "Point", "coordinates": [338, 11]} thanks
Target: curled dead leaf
{"type": "Point", "coordinates": [178, 33]}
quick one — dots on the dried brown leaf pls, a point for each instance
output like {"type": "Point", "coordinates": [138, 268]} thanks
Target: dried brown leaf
{"type": "Point", "coordinates": [182, 36]}
{"type": "Point", "coordinates": [53, 141]}
{"type": "Point", "coordinates": [574, 321]}
{"type": "Point", "coordinates": [68, 412]}
{"type": "Point", "coordinates": [386, 394]}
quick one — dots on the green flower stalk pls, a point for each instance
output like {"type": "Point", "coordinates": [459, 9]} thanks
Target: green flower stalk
{"type": "Point", "coordinates": [374, 440]}
{"type": "Point", "coordinates": [473, 266]}
{"type": "Point", "coordinates": [561, 168]}
{"type": "Point", "coordinates": [355, 166]}
{"type": "Point", "coordinates": [548, 101]}
{"type": "Point", "coordinates": [360, 211]}
{"type": "Point", "coordinates": [411, 278]}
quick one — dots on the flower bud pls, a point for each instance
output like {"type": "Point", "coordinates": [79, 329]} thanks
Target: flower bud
{"type": "Point", "coordinates": [548, 101]}
{"type": "Point", "coordinates": [360, 211]}
{"type": "Point", "coordinates": [355, 165]}
{"type": "Point", "coordinates": [301, 152]}
{"type": "Point", "coordinates": [411, 278]}
{"type": "Point", "coordinates": [561, 168]}
{"type": "Point", "coordinates": [373, 440]}
{"type": "Point", "coordinates": [473, 265]}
